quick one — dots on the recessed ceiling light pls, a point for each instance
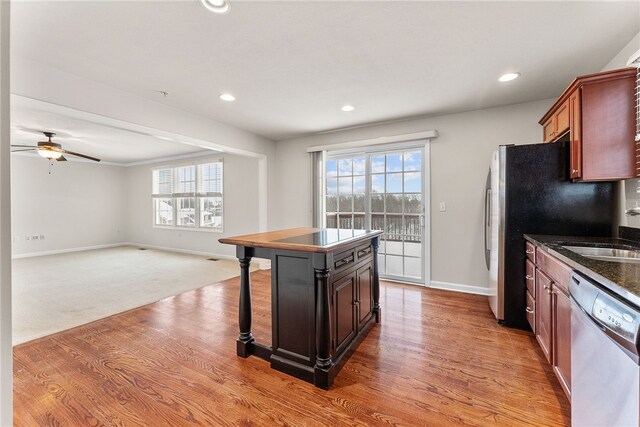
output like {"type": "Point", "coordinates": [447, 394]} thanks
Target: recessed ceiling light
{"type": "Point", "coordinates": [227, 97]}
{"type": "Point", "coordinates": [348, 108]}
{"type": "Point", "coordinates": [216, 6]}
{"type": "Point", "coordinates": [508, 77]}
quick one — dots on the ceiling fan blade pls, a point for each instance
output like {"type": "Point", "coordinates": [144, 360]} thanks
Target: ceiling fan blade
{"type": "Point", "coordinates": [23, 146]}
{"type": "Point", "coordinates": [25, 149]}
{"type": "Point", "coordinates": [61, 159]}
{"type": "Point", "coordinates": [80, 155]}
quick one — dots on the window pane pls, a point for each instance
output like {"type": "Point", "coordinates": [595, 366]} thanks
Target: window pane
{"type": "Point", "coordinates": [358, 203]}
{"type": "Point", "coordinates": [344, 167]}
{"type": "Point", "coordinates": [394, 183]}
{"type": "Point", "coordinates": [377, 183]}
{"type": "Point", "coordinates": [394, 163]}
{"type": "Point", "coordinates": [332, 168]}
{"type": "Point", "coordinates": [162, 181]}
{"type": "Point", "coordinates": [210, 178]}
{"type": "Point", "coordinates": [345, 185]}
{"type": "Point", "coordinates": [332, 221]}
{"type": "Point", "coordinates": [412, 182]}
{"type": "Point", "coordinates": [377, 222]}
{"type": "Point", "coordinates": [186, 211]}
{"type": "Point", "coordinates": [163, 211]}
{"type": "Point", "coordinates": [412, 160]}
{"type": "Point", "coordinates": [211, 212]}
{"type": "Point", "coordinates": [377, 203]}
{"type": "Point", "coordinates": [358, 184]}
{"type": "Point", "coordinates": [377, 164]}
{"type": "Point", "coordinates": [412, 203]}
{"type": "Point", "coordinates": [358, 165]}
{"type": "Point", "coordinates": [186, 179]}
{"type": "Point", "coordinates": [346, 221]}
{"type": "Point", "coordinates": [332, 186]}
{"type": "Point", "coordinates": [358, 222]}
{"type": "Point", "coordinates": [393, 203]}
{"type": "Point", "coordinates": [345, 204]}
{"type": "Point", "coordinates": [332, 204]}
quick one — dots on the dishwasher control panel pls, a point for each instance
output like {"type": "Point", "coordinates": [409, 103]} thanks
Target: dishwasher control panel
{"type": "Point", "coordinates": [619, 318]}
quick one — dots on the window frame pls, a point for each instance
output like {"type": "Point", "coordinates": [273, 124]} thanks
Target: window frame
{"type": "Point", "coordinates": [197, 195]}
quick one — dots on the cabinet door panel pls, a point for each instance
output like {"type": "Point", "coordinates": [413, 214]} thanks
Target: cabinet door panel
{"type": "Point", "coordinates": [548, 130]}
{"type": "Point", "coordinates": [544, 313]}
{"type": "Point", "coordinates": [344, 313]}
{"type": "Point", "coordinates": [575, 135]}
{"type": "Point", "coordinates": [364, 295]}
{"type": "Point", "coordinates": [531, 311]}
{"type": "Point", "coordinates": [562, 339]}
{"type": "Point", "coordinates": [562, 119]}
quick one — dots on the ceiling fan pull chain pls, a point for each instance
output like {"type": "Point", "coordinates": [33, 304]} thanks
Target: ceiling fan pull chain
{"type": "Point", "coordinates": [50, 164]}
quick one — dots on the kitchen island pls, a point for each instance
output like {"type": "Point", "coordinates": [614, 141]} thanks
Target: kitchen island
{"type": "Point", "coordinates": [325, 295]}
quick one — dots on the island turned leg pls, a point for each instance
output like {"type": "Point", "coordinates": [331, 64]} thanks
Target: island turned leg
{"type": "Point", "coordinates": [323, 330]}
{"type": "Point", "coordinates": [377, 311]}
{"type": "Point", "coordinates": [245, 339]}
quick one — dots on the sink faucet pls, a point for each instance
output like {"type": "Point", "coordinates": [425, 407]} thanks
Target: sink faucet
{"type": "Point", "coordinates": [632, 211]}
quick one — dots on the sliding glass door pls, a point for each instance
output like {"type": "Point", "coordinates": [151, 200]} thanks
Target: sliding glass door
{"type": "Point", "coordinates": [382, 191]}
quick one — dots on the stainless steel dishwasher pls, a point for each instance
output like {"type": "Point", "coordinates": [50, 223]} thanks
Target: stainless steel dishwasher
{"type": "Point", "coordinates": [605, 376]}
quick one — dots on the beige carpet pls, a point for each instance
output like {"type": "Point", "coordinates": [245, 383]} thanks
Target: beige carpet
{"type": "Point", "coordinates": [57, 292]}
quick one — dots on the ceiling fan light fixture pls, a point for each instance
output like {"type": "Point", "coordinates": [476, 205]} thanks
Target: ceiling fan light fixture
{"type": "Point", "coordinates": [49, 154]}
{"type": "Point", "coordinates": [216, 6]}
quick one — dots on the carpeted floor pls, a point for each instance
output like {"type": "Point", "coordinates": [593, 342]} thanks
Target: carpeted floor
{"type": "Point", "coordinates": [57, 292]}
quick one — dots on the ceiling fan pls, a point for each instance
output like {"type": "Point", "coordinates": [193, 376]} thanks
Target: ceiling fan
{"type": "Point", "coordinates": [51, 150]}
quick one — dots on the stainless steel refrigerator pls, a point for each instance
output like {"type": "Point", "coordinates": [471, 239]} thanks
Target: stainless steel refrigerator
{"type": "Point", "coordinates": [529, 192]}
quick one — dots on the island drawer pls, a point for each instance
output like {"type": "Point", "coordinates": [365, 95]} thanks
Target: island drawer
{"type": "Point", "coordinates": [363, 251]}
{"type": "Point", "coordinates": [344, 259]}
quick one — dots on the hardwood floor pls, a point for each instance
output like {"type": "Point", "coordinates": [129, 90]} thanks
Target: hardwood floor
{"type": "Point", "coordinates": [437, 358]}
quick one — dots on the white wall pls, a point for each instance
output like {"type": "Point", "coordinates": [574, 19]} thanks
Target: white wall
{"type": "Point", "coordinates": [629, 190]}
{"type": "Point", "coordinates": [78, 205]}
{"type": "Point", "coordinates": [240, 210]}
{"type": "Point", "coordinates": [459, 164]}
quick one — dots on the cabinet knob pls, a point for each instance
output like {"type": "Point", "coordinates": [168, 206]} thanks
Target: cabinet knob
{"type": "Point", "coordinates": [528, 277]}
{"type": "Point", "coordinates": [546, 287]}
{"type": "Point", "coordinates": [529, 310]}
{"type": "Point", "coordinates": [574, 171]}
{"type": "Point", "coordinates": [530, 252]}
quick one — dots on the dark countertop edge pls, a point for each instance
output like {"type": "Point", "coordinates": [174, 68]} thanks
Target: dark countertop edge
{"type": "Point", "coordinates": [305, 248]}
{"type": "Point", "coordinates": [552, 248]}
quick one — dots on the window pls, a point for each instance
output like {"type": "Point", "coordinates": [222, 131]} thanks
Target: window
{"type": "Point", "coordinates": [188, 196]}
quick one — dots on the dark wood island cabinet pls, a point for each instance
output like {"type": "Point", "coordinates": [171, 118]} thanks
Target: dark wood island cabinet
{"type": "Point", "coordinates": [325, 297]}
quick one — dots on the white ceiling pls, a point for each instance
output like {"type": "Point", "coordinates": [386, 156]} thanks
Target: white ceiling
{"type": "Point", "coordinates": [293, 64]}
{"type": "Point", "coordinates": [109, 143]}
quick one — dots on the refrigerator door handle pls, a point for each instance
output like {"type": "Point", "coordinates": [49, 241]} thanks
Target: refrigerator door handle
{"type": "Point", "coordinates": [487, 219]}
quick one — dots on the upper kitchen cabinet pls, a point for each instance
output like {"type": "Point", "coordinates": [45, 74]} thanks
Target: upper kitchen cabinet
{"type": "Point", "coordinates": [596, 113]}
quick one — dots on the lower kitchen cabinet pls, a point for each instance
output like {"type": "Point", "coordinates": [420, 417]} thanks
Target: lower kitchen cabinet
{"type": "Point", "coordinates": [544, 314]}
{"type": "Point", "coordinates": [549, 311]}
{"type": "Point", "coordinates": [562, 338]}
{"type": "Point", "coordinates": [352, 301]}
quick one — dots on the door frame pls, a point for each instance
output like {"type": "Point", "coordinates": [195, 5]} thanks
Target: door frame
{"type": "Point", "coordinates": [425, 147]}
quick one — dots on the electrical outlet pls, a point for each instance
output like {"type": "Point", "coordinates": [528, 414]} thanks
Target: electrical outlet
{"type": "Point", "coordinates": [42, 237]}
{"type": "Point", "coordinates": [35, 237]}
{"type": "Point", "coordinates": [27, 238]}
{"type": "Point", "coordinates": [443, 206]}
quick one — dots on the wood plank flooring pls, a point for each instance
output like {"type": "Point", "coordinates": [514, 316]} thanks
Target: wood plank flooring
{"type": "Point", "coordinates": [437, 358]}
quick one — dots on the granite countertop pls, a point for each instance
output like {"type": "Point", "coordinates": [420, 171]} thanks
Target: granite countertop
{"type": "Point", "coordinates": [622, 278]}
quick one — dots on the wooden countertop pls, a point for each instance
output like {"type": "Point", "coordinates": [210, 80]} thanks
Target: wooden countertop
{"type": "Point", "coordinates": [304, 239]}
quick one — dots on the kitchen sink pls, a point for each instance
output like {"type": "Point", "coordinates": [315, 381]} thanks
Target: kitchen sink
{"type": "Point", "coordinates": [606, 254]}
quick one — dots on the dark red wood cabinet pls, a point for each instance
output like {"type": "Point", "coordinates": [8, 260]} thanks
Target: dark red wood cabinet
{"type": "Point", "coordinates": [599, 112]}
{"type": "Point", "coordinates": [549, 309]}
